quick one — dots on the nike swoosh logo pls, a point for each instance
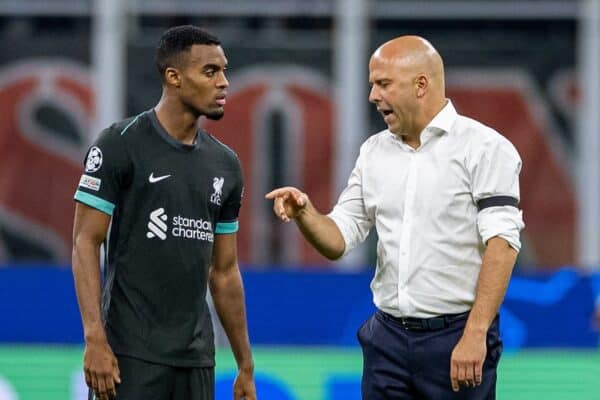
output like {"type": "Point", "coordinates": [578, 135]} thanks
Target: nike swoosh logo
{"type": "Point", "coordinates": [153, 179]}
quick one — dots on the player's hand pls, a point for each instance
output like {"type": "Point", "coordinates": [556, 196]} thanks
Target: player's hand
{"type": "Point", "coordinates": [101, 369]}
{"type": "Point", "coordinates": [288, 202]}
{"type": "Point", "coordinates": [243, 386]}
{"type": "Point", "coordinates": [466, 363]}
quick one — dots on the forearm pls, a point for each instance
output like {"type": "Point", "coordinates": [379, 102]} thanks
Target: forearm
{"type": "Point", "coordinates": [498, 262]}
{"type": "Point", "coordinates": [86, 273]}
{"type": "Point", "coordinates": [321, 232]}
{"type": "Point", "coordinates": [228, 296]}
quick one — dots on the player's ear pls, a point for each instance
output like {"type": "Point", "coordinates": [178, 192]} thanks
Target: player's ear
{"type": "Point", "coordinates": [173, 77]}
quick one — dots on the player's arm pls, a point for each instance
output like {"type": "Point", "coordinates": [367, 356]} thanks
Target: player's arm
{"type": "Point", "coordinates": [469, 354]}
{"type": "Point", "coordinates": [227, 292]}
{"type": "Point", "coordinates": [318, 229]}
{"type": "Point", "coordinates": [100, 365]}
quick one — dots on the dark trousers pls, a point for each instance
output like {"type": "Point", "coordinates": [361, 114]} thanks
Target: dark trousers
{"type": "Point", "coordinates": [148, 381]}
{"type": "Point", "coordinates": [412, 361]}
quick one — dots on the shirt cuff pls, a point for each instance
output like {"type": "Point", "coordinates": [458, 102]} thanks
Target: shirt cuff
{"type": "Point", "coordinates": [505, 222]}
{"type": "Point", "coordinates": [343, 225]}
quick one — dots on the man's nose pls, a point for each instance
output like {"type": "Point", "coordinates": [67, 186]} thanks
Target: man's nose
{"type": "Point", "coordinates": [223, 82]}
{"type": "Point", "coordinates": [374, 95]}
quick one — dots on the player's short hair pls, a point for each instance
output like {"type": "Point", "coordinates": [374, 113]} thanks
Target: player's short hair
{"type": "Point", "coordinates": [177, 40]}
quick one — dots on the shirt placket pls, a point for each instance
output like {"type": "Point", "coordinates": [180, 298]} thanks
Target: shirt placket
{"type": "Point", "coordinates": [406, 233]}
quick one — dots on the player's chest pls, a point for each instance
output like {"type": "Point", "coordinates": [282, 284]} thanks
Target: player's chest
{"type": "Point", "coordinates": [182, 180]}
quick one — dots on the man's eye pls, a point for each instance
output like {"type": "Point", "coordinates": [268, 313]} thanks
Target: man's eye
{"type": "Point", "coordinates": [210, 73]}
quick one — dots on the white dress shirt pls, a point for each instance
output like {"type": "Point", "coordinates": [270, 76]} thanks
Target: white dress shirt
{"type": "Point", "coordinates": [424, 205]}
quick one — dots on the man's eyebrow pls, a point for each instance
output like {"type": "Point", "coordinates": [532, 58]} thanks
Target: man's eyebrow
{"type": "Point", "coordinates": [378, 81]}
{"type": "Point", "coordinates": [214, 66]}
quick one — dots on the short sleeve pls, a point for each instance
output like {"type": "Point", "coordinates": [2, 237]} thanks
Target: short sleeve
{"type": "Point", "coordinates": [106, 169]}
{"type": "Point", "coordinates": [228, 217]}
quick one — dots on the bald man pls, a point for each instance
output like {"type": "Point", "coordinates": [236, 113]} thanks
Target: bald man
{"type": "Point", "coordinates": [442, 191]}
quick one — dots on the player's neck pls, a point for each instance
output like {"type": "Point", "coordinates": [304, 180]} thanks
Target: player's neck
{"type": "Point", "coordinates": [178, 123]}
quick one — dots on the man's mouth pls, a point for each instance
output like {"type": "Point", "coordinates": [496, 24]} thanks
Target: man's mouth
{"type": "Point", "coordinates": [386, 114]}
{"type": "Point", "coordinates": [221, 100]}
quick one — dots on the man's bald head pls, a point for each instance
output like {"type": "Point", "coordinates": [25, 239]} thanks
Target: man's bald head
{"type": "Point", "coordinates": [415, 55]}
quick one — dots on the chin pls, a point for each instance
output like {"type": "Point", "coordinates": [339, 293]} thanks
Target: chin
{"type": "Point", "coordinates": [393, 129]}
{"type": "Point", "coordinates": [215, 116]}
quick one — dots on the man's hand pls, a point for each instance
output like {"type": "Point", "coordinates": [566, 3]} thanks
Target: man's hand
{"type": "Point", "coordinates": [288, 202]}
{"type": "Point", "coordinates": [320, 230]}
{"type": "Point", "coordinates": [243, 386]}
{"type": "Point", "coordinates": [466, 363]}
{"type": "Point", "coordinates": [101, 369]}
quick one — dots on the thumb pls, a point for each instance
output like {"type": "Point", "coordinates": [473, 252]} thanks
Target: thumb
{"type": "Point", "coordinates": [301, 199]}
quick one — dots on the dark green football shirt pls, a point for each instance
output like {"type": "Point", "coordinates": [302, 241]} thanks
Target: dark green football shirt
{"type": "Point", "coordinates": [168, 201]}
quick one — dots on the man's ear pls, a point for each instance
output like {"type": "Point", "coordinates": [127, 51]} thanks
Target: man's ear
{"type": "Point", "coordinates": [172, 77]}
{"type": "Point", "coordinates": [421, 85]}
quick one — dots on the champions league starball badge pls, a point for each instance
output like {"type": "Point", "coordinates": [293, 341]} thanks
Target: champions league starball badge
{"type": "Point", "coordinates": [94, 160]}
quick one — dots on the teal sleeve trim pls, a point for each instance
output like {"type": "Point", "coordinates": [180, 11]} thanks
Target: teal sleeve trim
{"type": "Point", "coordinates": [227, 227]}
{"type": "Point", "coordinates": [96, 202]}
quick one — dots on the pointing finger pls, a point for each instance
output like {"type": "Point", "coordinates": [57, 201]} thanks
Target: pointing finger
{"type": "Point", "coordinates": [277, 192]}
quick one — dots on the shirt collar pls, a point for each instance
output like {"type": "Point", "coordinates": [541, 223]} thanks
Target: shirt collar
{"type": "Point", "coordinates": [440, 124]}
{"type": "Point", "coordinates": [444, 120]}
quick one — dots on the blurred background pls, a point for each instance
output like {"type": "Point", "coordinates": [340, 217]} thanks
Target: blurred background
{"type": "Point", "coordinates": [297, 113]}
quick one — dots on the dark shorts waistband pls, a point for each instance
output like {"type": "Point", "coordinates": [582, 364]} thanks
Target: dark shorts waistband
{"type": "Point", "coordinates": [425, 324]}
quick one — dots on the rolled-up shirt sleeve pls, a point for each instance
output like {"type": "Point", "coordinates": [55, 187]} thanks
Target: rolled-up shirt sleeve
{"type": "Point", "coordinates": [505, 222]}
{"type": "Point", "coordinates": [495, 182]}
{"type": "Point", "coordinates": [349, 214]}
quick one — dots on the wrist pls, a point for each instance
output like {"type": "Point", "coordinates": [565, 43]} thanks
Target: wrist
{"type": "Point", "coordinates": [246, 367]}
{"type": "Point", "coordinates": [474, 329]}
{"type": "Point", "coordinates": [95, 335]}
{"type": "Point", "coordinates": [302, 213]}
